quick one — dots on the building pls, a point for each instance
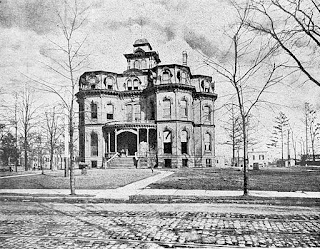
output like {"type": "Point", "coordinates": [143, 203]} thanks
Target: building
{"type": "Point", "coordinates": [258, 159]}
{"type": "Point", "coordinates": [221, 162]}
{"type": "Point", "coordinates": [149, 114]}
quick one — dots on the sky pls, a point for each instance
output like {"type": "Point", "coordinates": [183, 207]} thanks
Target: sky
{"type": "Point", "coordinates": [28, 28]}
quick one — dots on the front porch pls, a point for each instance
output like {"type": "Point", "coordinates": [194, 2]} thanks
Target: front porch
{"type": "Point", "coordinates": [128, 143]}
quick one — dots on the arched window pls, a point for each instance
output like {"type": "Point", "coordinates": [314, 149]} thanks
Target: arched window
{"type": "Point", "coordinates": [109, 83]}
{"type": "Point", "coordinates": [166, 76]}
{"type": "Point", "coordinates": [166, 108]}
{"type": "Point", "coordinates": [167, 142]}
{"type": "Point", "coordinates": [205, 85]}
{"type": "Point", "coordinates": [207, 113]}
{"type": "Point", "coordinates": [94, 110]}
{"type": "Point", "coordinates": [183, 77]}
{"type": "Point", "coordinates": [110, 111]}
{"type": "Point", "coordinates": [94, 144]}
{"type": "Point", "coordinates": [179, 76]}
{"type": "Point", "coordinates": [184, 108]}
{"type": "Point", "coordinates": [184, 142]}
{"type": "Point", "coordinates": [129, 85]}
{"type": "Point", "coordinates": [137, 64]}
{"type": "Point", "coordinates": [135, 84]}
{"type": "Point", "coordinates": [207, 142]}
{"type": "Point", "coordinates": [144, 64]}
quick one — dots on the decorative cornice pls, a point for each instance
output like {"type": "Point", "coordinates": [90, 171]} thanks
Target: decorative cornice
{"type": "Point", "coordinates": [112, 126]}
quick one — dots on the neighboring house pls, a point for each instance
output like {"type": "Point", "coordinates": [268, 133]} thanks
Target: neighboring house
{"type": "Point", "coordinates": [149, 110]}
{"type": "Point", "coordinates": [221, 162]}
{"type": "Point", "coordinates": [258, 159]}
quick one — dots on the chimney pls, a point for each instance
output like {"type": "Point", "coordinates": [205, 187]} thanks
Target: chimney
{"type": "Point", "coordinates": [184, 58]}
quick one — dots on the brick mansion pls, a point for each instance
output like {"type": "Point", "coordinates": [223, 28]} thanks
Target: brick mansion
{"type": "Point", "coordinates": [151, 114]}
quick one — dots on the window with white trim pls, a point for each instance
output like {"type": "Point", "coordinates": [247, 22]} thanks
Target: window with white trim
{"type": "Point", "coordinates": [166, 76]}
{"type": "Point", "coordinates": [207, 142]}
{"type": "Point", "coordinates": [94, 144]}
{"type": "Point", "coordinates": [135, 84]}
{"type": "Point", "coordinates": [129, 85]}
{"type": "Point", "coordinates": [129, 113]}
{"type": "Point", "coordinates": [207, 113]}
{"type": "Point", "coordinates": [137, 112]}
{"type": "Point", "coordinates": [110, 111]}
{"type": "Point", "coordinates": [184, 108]}
{"type": "Point", "coordinates": [94, 110]}
{"type": "Point", "coordinates": [166, 108]}
{"type": "Point", "coordinates": [184, 142]}
{"type": "Point", "coordinates": [167, 142]}
{"type": "Point", "coordinates": [137, 64]}
{"type": "Point", "coordinates": [109, 83]}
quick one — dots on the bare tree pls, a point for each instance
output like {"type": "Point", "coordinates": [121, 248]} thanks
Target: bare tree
{"type": "Point", "coordinates": [280, 129]}
{"type": "Point", "coordinates": [312, 126]}
{"type": "Point", "coordinates": [67, 60]}
{"type": "Point", "coordinates": [233, 129]}
{"type": "Point", "coordinates": [28, 115]}
{"type": "Point", "coordinates": [294, 25]}
{"type": "Point", "coordinates": [54, 132]}
{"type": "Point", "coordinates": [249, 69]}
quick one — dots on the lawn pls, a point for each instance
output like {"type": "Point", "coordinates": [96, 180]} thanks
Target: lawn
{"type": "Point", "coordinates": [95, 179]}
{"type": "Point", "coordinates": [272, 179]}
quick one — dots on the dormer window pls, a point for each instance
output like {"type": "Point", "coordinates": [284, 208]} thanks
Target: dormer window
{"type": "Point", "coordinates": [179, 76]}
{"type": "Point", "coordinates": [135, 84]}
{"type": "Point", "coordinates": [137, 64]}
{"type": "Point", "coordinates": [183, 77]}
{"type": "Point", "coordinates": [205, 86]}
{"type": "Point", "coordinates": [129, 84]}
{"type": "Point", "coordinates": [109, 83]}
{"type": "Point", "coordinates": [166, 76]}
{"type": "Point", "coordinates": [144, 64]}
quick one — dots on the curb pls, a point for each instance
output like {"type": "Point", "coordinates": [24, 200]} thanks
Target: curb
{"type": "Point", "coordinates": [278, 201]}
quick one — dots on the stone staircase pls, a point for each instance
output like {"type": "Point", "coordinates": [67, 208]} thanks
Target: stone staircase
{"type": "Point", "coordinates": [122, 162]}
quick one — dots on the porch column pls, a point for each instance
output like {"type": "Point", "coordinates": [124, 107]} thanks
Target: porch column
{"type": "Point", "coordinates": [103, 151]}
{"type": "Point", "coordinates": [138, 131]}
{"type": "Point", "coordinates": [116, 140]}
{"type": "Point", "coordinates": [108, 149]}
{"type": "Point", "coordinates": [148, 139]}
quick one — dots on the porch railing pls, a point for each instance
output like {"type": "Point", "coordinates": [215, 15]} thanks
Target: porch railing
{"type": "Point", "coordinates": [110, 159]}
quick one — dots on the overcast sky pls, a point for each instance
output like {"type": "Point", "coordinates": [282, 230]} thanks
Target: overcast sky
{"type": "Point", "coordinates": [27, 26]}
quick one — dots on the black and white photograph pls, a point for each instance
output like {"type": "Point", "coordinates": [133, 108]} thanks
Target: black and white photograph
{"type": "Point", "coordinates": [159, 124]}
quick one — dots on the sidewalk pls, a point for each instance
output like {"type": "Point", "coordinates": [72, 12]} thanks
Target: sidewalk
{"type": "Point", "coordinates": [139, 190]}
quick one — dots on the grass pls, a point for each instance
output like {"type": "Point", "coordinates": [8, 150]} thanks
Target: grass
{"type": "Point", "coordinates": [272, 179]}
{"type": "Point", "coordinates": [95, 179]}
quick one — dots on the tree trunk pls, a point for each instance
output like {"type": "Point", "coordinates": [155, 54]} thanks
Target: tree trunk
{"type": "Point", "coordinates": [245, 168]}
{"type": "Point", "coordinates": [25, 153]}
{"type": "Point", "coordinates": [72, 179]}
{"type": "Point", "coordinates": [51, 153]}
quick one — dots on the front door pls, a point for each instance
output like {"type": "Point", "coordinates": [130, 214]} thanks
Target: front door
{"type": "Point", "coordinates": [127, 143]}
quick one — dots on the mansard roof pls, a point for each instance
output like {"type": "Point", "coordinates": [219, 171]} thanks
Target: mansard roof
{"type": "Point", "coordinates": [141, 42]}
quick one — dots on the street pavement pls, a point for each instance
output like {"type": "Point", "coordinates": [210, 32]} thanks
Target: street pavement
{"type": "Point", "coordinates": [37, 224]}
{"type": "Point", "coordinates": [62, 225]}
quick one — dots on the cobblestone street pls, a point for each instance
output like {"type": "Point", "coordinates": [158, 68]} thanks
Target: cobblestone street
{"type": "Point", "coordinates": [53, 225]}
